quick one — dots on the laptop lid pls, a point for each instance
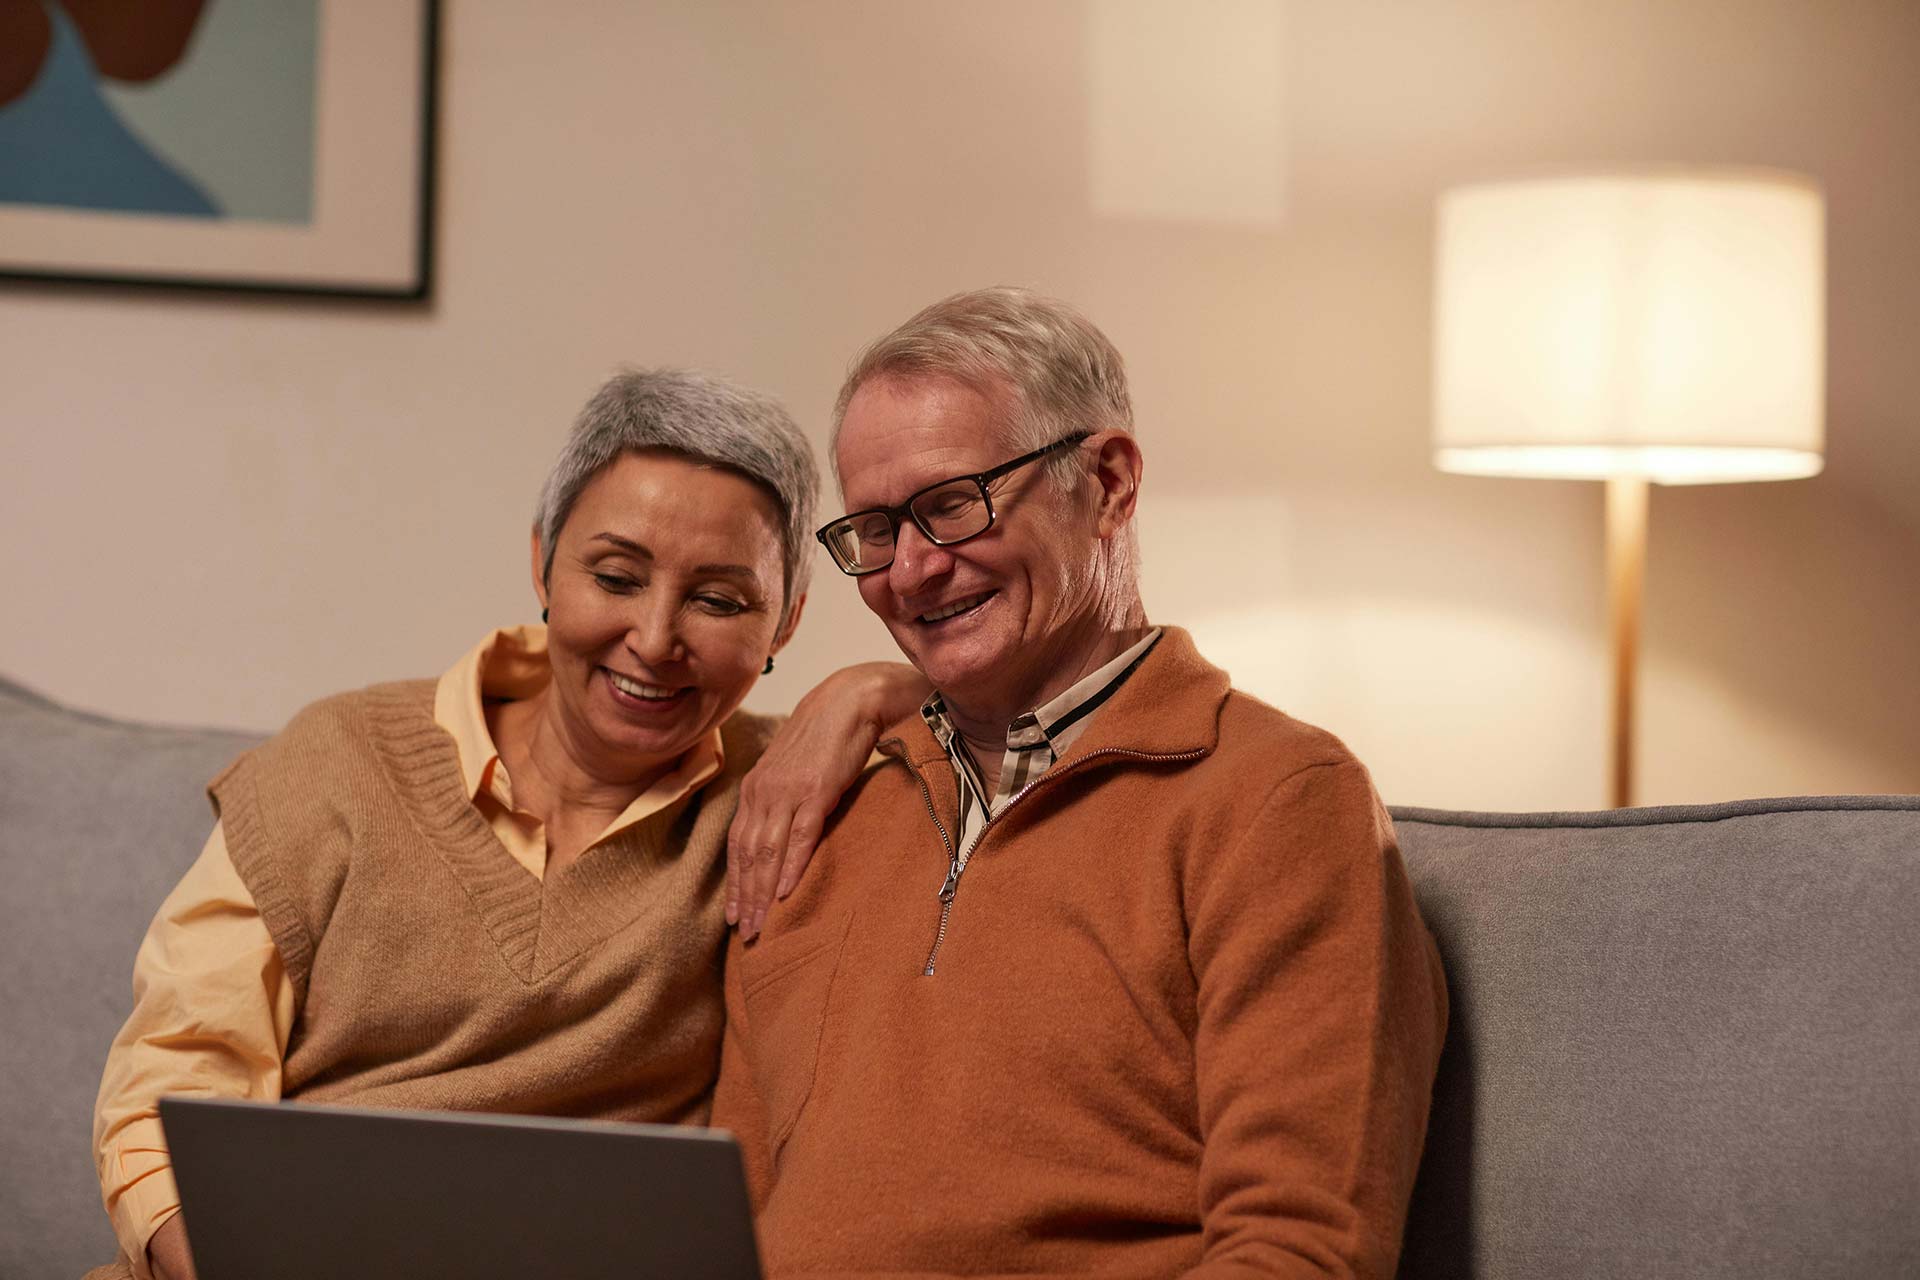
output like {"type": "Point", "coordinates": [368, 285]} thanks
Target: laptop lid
{"type": "Point", "coordinates": [302, 1192]}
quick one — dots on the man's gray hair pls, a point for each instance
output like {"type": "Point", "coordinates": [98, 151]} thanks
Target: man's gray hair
{"type": "Point", "coordinates": [1064, 375]}
{"type": "Point", "coordinates": [696, 416]}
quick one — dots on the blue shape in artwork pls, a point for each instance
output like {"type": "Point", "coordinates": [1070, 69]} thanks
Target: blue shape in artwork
{"type": "Point", "coordinates": [61, 144]}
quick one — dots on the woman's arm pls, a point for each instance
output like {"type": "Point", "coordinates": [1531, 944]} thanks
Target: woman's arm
{"type": "Point", "coordinates": [168, 1257]}
{"type": "Point", "coordinates": [785, 799]}
{"type": "Point", "coordinates": [211, 1015]}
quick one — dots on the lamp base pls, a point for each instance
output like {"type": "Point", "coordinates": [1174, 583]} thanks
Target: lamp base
{"type": "Point", "coordinates": [1626, 579]}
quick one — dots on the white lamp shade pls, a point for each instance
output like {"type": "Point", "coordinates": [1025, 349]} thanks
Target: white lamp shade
{"type": "Point", "coordinates": [1669, 326]}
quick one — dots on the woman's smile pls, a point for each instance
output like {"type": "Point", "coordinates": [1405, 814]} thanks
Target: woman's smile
{"type": "Point", "coordinates": [640, 689]}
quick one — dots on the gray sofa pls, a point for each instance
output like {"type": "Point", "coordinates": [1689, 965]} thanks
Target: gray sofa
{"type": "Point", "coordinates": [1685, 1042]}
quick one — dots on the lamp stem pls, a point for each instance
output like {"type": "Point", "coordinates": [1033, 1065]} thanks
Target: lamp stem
{"type": "Point", "coordinates": [1626, 576]}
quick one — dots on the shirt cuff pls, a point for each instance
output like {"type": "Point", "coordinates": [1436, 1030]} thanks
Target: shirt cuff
{"type": "Point", "coordinates": [138, 1164]}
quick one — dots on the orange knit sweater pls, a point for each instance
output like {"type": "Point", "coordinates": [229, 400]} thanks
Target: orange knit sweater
{"type": "Point", "coordinates": [1184, 1019]}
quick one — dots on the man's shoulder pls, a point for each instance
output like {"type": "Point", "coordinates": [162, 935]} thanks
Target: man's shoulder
{"type": "Point", "coordinates": [892, 776]}
{"type": "Point", "coordinates": [1252, 729]}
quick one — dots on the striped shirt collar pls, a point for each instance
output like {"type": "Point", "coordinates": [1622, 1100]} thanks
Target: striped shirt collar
{"type": "Point", "coordinates": [1035, 739]}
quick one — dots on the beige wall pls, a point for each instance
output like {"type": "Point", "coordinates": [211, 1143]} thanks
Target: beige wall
{"type": "Point", "coordinates": [218, 508]}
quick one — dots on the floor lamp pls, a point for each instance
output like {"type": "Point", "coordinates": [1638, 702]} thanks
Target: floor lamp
{"type": "Point", "coordinates": [1664, 327]}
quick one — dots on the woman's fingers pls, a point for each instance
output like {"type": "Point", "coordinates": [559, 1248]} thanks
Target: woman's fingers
{"type": "Point", "coordinates": [803, 837]}
{"type": "Point", "coordinates": [763, 871]}
{"type": "Point", "coordinates": [755, 844]}
{"type": "Point", "coordinates": [797, 782]}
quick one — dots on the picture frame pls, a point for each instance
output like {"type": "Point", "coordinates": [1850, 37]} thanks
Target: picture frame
{"type": "Point", "coordinates": [365, 229]}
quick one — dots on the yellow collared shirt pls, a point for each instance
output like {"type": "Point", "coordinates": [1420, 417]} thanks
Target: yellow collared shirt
{"type": "Point", "coordinates": [212, 1005]}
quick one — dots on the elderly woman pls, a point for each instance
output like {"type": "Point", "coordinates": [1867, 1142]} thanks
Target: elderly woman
{"type": "Point", "coordinates": [503, 890]}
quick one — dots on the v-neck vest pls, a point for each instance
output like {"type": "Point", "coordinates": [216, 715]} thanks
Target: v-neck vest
{"type": "Point", "coordinates": [432, 970]}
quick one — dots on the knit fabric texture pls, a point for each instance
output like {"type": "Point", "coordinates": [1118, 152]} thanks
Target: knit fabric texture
{"type": "Point", "coordinates": [1184, 1016]}
{"type": "Point", "coordinates": [431, 970]}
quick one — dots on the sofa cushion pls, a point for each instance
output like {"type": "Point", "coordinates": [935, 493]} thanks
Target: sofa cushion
{"type": "Point", "coordinates": [98, 819]}
{"type": "Point", "coordinates": [1684, 1041]}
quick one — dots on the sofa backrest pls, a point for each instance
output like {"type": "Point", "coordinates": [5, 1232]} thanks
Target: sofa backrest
{"type": "Point", "coordinates": [98, 819]}
{"type": "Point", "coordinates": [1685, 1041]}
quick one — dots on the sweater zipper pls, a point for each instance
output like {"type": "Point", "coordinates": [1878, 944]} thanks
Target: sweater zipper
{"type": "Point", "coordinates": [951, 885]}
{"type": "Point", "coordinates": [952, 882]}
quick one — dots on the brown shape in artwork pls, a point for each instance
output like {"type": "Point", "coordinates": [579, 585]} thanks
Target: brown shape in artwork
{"type": "Point", "coordinates": [25, 37]}
{"type": "Point", "coordinates": [126, 40]}
{"type": "Point", "coordinates": [134, 41]}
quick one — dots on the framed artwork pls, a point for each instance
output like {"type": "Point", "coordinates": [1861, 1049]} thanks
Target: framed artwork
{"type": "Point", "coordinates": [282, 146]}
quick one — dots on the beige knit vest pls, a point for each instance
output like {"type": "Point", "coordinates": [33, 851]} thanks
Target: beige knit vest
{"type": "Point", "coordinates": [432, 970]}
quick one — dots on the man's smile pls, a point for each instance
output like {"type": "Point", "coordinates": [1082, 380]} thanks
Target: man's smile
{"type": "Point", "coordinates": [955, 609]}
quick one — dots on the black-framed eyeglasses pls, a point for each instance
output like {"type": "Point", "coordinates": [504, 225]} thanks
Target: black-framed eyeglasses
{"type": "Point", "coordinates": [948, 512]}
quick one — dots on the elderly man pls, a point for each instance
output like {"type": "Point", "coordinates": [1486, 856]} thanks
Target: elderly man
{"type": "Point", "coordinates": [1105, 967]}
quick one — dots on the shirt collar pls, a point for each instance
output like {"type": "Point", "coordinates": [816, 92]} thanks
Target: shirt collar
{"type": "Point", "coordinates": [1058, 718]}
{"type": "Point", "coordinates": [509, 664]}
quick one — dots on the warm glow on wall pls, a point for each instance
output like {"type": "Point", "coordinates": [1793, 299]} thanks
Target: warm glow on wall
{"type": "Point", "coordinates": [1186, 111]}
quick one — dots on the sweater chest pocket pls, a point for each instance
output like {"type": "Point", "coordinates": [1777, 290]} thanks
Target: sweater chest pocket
{"type": "Point", "coordinates": [786, 985]}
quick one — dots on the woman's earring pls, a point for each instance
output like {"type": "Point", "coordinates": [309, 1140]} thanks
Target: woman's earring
{"type": "Point", "coordinates": [768, 669]}
{"type": "Point", "coordinates": [543, 615]}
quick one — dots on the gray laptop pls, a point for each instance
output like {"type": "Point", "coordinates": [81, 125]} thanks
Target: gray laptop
{"type": "Point", "coordinates": [300, 1192]}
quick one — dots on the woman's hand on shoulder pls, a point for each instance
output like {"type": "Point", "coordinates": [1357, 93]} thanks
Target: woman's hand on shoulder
{"type": "Point", "coordinates": [812, 760]}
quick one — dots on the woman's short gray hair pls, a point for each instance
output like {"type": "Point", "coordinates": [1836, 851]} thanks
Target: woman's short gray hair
{"type": "Point", "coordinates": [1064, 374]}
{"type": "Point", "coordinates": [696, 416]}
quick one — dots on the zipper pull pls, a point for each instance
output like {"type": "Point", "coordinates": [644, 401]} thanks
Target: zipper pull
{"type": "Point", "coordinates": [952, 881]}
